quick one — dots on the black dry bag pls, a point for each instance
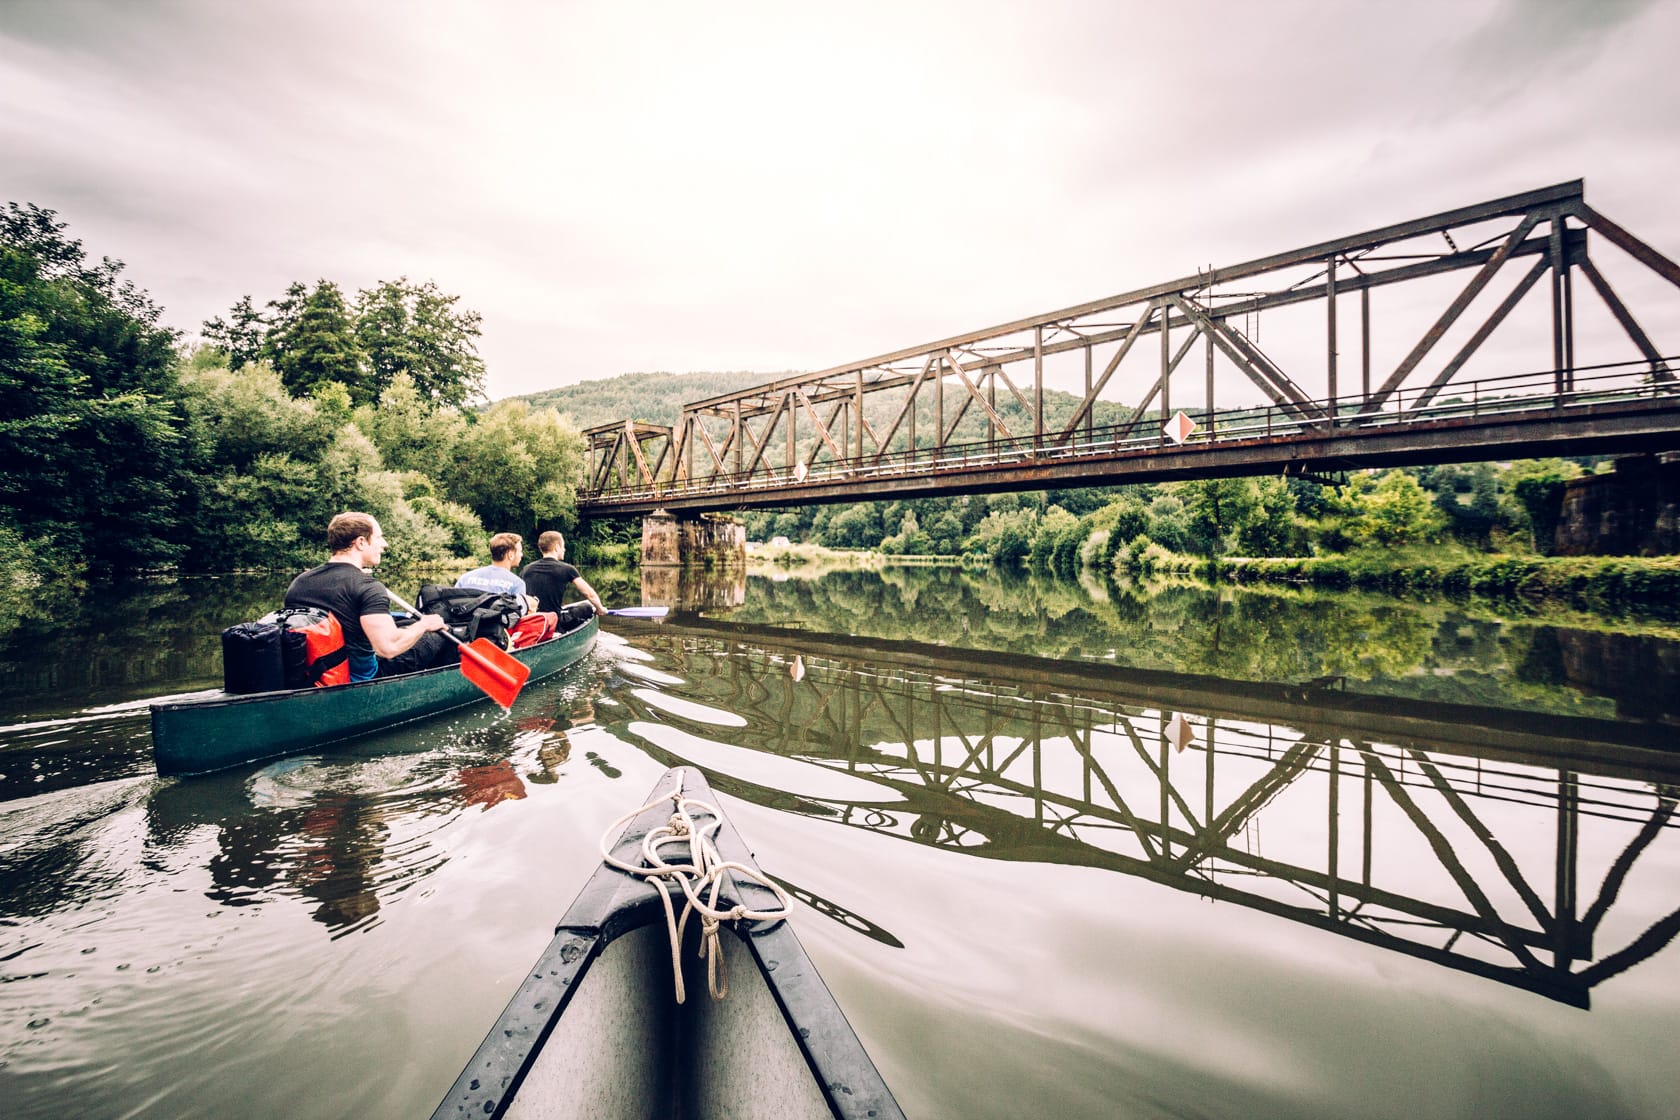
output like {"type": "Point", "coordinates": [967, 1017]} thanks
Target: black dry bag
{"type": "Point", "coordinates": [253, 658]}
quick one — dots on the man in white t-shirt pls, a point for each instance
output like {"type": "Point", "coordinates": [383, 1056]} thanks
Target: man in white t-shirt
{"type": "Point", "coordinates": [498, 577]}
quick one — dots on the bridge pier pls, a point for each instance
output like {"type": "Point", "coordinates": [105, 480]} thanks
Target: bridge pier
{"type": "Point", "coordinates": [712, 540]}
{"type": "Point", "coordinates": [1634, 511]}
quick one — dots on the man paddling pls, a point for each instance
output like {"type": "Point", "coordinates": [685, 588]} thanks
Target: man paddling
{"type": "Point", "coordinates": [549, 577]}
{"type": "Point", "coordinates": [362, 605]}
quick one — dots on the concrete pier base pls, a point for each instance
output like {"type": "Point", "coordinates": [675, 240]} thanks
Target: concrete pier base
{"type": "Point", "coordinates": [1634, 511]}
{"type": "Point", "coordinates": [660, 540]}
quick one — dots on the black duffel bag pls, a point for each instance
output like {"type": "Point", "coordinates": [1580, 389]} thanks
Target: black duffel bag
{"type": "Point", "coordinates": [272, 653]}
{"type": "Point", "coordinates": [253, 657]}
{"type": "Point", "coordinates": [472, 614]}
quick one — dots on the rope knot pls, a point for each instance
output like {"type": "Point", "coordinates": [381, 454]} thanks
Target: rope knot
{"type": "Point", "coordinates": [701, 880]}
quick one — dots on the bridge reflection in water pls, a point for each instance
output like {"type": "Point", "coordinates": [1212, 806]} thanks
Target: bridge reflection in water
{"type": "Point", "coordinates": [1480, 839]}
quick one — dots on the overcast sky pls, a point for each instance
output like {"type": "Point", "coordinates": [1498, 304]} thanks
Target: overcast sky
{"type": "Point", "coordinates": [649, 185]}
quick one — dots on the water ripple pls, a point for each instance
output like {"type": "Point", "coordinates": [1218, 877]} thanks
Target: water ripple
{"type": "Point", "coordinates": [688, 709]}
{"type": "Point", "coordinates": [788, 775]}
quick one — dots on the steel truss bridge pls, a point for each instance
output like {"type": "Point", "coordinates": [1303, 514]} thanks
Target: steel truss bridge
{"type": "Point", "coordinates": [1428, 811]}
{"type": "Point", "coordinates": [894, 426]}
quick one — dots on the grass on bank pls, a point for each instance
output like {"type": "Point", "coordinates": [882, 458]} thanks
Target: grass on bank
{"type": "Point", "coordinates": [791, 555]}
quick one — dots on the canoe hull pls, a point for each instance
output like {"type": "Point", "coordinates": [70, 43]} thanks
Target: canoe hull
{"type": "Point", "coordinates": [217, 732]}
{"type": "Point", "coordinates": [623, 1048]}
{"type": "Point", "coordinates": [594, 1029]}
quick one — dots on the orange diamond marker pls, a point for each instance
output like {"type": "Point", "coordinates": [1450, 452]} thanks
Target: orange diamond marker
{"type": "Point", "coordinates": [1178, 429]}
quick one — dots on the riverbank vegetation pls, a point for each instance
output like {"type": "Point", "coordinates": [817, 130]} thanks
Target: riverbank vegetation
{"type": "Point", "coordinates": [125, 452]}
{"type": "Point", "coordinates": [1484, 529]}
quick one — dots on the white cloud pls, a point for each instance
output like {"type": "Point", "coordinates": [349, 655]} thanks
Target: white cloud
{"type": "Point", "coordinates": [667, 185]}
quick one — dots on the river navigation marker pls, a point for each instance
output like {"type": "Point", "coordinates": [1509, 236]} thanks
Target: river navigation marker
{"type": "Point", "coordinates": [1178, 429]}
{"type": "Point", "coordinates": [1179, 732]}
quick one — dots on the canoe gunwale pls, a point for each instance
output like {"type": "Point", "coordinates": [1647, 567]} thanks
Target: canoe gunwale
{"type": "Point", "coordinates": [613, 903]}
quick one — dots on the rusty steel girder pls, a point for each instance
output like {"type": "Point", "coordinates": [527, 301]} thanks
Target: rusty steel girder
{"type": "Point", "coordinates": [968, 413]}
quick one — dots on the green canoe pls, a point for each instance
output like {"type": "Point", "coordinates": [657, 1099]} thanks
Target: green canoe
{"type": "Point", "coordinates": [220, 730]}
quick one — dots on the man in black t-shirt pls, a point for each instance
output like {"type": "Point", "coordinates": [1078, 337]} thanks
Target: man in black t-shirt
{"type": "Point", "coordinates": [549, 577]}
{"type": "Point", "coordinates": [361, 603]}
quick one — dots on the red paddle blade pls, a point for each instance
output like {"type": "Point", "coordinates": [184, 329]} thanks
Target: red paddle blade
{"type": "Point", "coordinates": [494, 670]}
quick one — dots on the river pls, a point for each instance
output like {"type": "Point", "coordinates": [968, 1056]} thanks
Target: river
{"type": "Point", "coordinates": [1059, 849]}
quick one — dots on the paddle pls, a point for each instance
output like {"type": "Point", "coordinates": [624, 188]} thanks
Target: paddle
{"type": "Point", "coordinates": [640, 612]}
{"type": "Point", "coordinates": [496, 672]}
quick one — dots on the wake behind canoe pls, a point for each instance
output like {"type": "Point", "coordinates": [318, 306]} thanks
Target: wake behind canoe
{"type": "Point", "coordinates": [215, 732]}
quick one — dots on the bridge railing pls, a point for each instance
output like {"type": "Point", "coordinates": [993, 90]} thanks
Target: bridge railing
{"type": "Point", "coordinates": [1543, 390]}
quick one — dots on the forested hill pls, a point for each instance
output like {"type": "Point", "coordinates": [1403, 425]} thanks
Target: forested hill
{"type": "Point", "coordinates": [657, 398]}
{"type": "Point", "coordinates": [654, 397]}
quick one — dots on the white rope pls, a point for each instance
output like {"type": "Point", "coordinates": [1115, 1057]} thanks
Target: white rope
{"type": "Point", "coordinates": [700, 879]}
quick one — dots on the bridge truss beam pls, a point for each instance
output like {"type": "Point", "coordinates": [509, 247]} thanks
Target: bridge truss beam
{"type": "Point", "coordinates": [859, 430]}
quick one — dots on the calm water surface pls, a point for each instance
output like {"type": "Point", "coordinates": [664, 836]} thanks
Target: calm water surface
{"type": "Point", "coordinates": [1059, 850]}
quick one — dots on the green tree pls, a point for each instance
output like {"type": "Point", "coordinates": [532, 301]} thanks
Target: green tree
{"type": "Point", "coordinates": [417, 330]}
{"type": "Point", "coordinates": [856, 526]}
{"type": "Point", "coordinates": [1468, 496]}
{"type": "Point", "coordinates": [909, 540]}
{"type": "Point", "coordinates": [1273, 529]}
{"type": "Point", "coordinates": [945, 532]}
{"type": "Point", "coordinates": [92, 442]}
{"type": "Point", "coordinates": [1127, 518]}
{"type": "Point", "coordinates": [1536, 488]}
{"type": "Point", "coordinates": [311, 339]}
{"type": "Point", "coordinates": [1392, 511]}
{"type": "Point", "coordinates": [240, 337]}
{"type": "Point", "coordinates": [277, 467]}
{"type": "Point", "coordinates": [410, 433]}
{"type": "Point", "coordinates": [1169, 521]}
{"type": "Point", "coordinates": [1217, 508]}
{"type": "Point", "coordinates": [260, 502]}
{"type": "Point", "coordinates": [1005, 536]}
{"type": "Point", "coordinates": [517, 469]}
{"type": "Point", "coordinates": [1052, 527]}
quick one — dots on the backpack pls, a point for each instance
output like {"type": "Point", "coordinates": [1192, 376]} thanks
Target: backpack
{"type": "Point", "coordinates": [285, 649]}
{"type": "Point", "coordinates": [313, 649]}
{"type": "Point", "coordinates": [538, 626]}
{"type": "Point", "coordinates": [472, 614]}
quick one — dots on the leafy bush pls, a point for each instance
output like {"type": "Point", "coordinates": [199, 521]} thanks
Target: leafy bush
{"type": "Point", "coordinates": [1006, 537]}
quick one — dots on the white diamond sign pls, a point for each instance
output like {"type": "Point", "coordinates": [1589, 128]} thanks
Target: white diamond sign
{"type": "Point", "coordinates": [1179, 732]}
{"type": "Point", "coordinates": [1178, 429]}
